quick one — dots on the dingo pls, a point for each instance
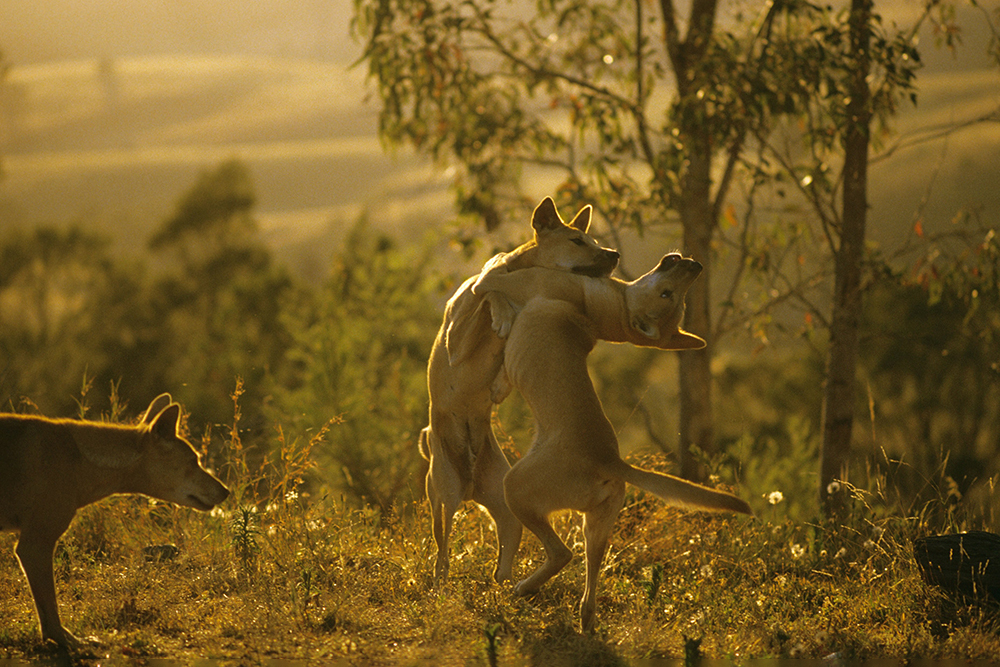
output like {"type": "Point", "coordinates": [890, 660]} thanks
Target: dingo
{"type": "Point", "coordinates": [574, 461]}
{"type": "Point", "coordinates": [465, 460]}
{"type": "Point", "coordinates": [51, 468]}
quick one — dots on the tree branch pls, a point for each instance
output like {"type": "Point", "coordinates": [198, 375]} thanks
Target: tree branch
{"type": "Point", "coordinates": [671, 37]}
{"type": "Point", "coordinates": [933, 132]}
{"type": "Point", "coordinates": [544, 72]}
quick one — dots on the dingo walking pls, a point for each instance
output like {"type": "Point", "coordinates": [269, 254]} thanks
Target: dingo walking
{"type": "Point", "coordinates": [50, 468]}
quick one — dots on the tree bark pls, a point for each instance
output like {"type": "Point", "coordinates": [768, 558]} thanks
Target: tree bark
{"type": "Point", "coordinates": [695, 365]}
{"type": "Point", "coordinates": [838, 402]}
{"type": "Point", "coordinates": [697, 218]}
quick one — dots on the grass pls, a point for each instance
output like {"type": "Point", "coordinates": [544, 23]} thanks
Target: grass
{"type": "Point", "coordinates": [291, 571]}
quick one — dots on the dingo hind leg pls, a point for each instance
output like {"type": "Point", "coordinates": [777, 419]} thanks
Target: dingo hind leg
{"type": "Point", "coordinates": [491, 468]}
{"type": "Point", "coordinates": [444, 493]}
{"type": "Point", "coordinates": [523, 502]}
{"type": "Point", "coordinates": [597, 527]}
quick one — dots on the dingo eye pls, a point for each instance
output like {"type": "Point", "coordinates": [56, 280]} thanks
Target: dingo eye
{"type": "Point", "coordinates": [666, 294]}
{"type": "Point", "coordinates": [579, 242]}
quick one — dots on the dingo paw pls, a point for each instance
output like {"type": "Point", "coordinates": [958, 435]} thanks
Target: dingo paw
{"type": "Point", "coordinates": [501, 312]}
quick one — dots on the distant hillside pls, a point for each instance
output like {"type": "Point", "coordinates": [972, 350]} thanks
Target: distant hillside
{"type": "Point", "coordinates": [956, 171]}
{"type": "Point", "coordinates": [114, 143]}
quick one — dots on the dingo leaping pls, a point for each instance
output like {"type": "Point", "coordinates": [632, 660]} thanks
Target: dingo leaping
{"type": "Point", "coordinates": [574, 462]}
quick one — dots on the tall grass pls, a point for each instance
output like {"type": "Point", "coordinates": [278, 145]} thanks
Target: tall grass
{"type": "Point", "coordinates": [288, 569]}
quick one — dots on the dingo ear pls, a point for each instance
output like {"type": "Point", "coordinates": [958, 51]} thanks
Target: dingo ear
{"type": "Point", "coordinates": [582, 219]}
{"type": "Point", "coordinates": [546, 217]}
{"type": "Point", "coordinates": [682, 340]}
{"type": "Point", "coordinates": [165, 425]}
{"type": "Point", "coordinates": [668, 262]}
{"type": "Point", "coordinates": [156, 407]}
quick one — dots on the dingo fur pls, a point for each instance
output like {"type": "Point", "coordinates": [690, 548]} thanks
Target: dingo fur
{"type": "Point", "coordinates": [466, 462]}
{"type": "Point", "coordinates": [574, 462]}
{"type": "Point", "coordinates": [50, 468]}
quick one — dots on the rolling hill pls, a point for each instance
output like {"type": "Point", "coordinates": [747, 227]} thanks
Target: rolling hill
{"type": "Point", "coordinates": [114, 143]}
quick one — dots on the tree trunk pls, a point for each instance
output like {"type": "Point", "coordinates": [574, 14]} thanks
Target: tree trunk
{"type": "Point", "coordinates": [838, 403]}
{"type": "Point", "coordinates": [695, 365]}
{"type": "Point", "coordinates": [696, 214]}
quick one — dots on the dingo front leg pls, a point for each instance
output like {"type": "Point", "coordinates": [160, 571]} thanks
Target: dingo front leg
{"type": "Point", "coordinates": [35, 554]}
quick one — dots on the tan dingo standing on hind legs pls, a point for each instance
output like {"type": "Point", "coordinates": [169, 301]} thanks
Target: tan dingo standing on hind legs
{"type": "Point", "coordinates": [574, 462]}
{"type": "Point", "coordinates": [466, 462]}
{"type": "Point", "coordinates": [50, 468]}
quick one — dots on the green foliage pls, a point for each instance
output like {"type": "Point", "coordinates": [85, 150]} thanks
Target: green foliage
{"type": "Point", "coordinates": [579, 88]}
{"type": "Point", "coordinates": [223, 300]}
{"type": "Point", "coordinates": [216, 213]}
{"type": "Point", "coordinates": [361, 356]}
{"type": "Point", "coordinates": [69, 309]}
{"type": "Point", "coordinates": [576, 88]}
{"type": "Point", "coordinates": [244, 538]}
{"type": "Point", "coordinates": [930, 356]}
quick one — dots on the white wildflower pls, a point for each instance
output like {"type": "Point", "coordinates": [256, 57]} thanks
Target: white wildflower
{"type": "Point", "coordinates": [832, 488]}
{"type": "Point", "coordinates": [775, 497]}
{"type": "Point", "coordinates": [798, 550]}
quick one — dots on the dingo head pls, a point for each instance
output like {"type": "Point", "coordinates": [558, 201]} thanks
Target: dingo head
{"type": "Point", "coordinates": [557, 245]}
{"type": "Point", "coordinates": [655, 302]}
{"type": "Point", "coordinates": [170, 466]}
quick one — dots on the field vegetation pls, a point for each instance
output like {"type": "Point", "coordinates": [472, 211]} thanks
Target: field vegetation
{"type": "Point", "coordinates": [307, 402]}
{"type": "Point", "coordinates": [291, 569]}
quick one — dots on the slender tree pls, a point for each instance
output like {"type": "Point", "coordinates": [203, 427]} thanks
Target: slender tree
{"type": "Point", "coordinates": [838, 402]}
{"type": "Point", "coordinates": [580, 90]}
{"type": "Point", "coordinates": [697, 215]}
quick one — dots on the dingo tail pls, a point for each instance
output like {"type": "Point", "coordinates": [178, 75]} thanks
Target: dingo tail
{"type": "Point", "coordinates": [424, 442]}
{"type": "Point", "coordinates": [682, 493]}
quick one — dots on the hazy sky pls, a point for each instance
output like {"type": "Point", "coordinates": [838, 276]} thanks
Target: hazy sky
{"type": "Point", "coordinates": [38, 30]}
{"type": "Point", "coordinates": [33, 31]}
